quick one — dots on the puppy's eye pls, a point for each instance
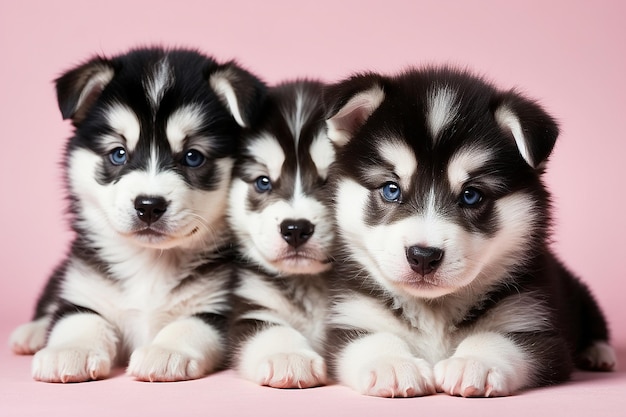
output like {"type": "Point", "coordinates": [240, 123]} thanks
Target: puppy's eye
{"type": "Point", "coordinates": [471, 197]}
{"type": "Point", "coordinates": [391, 192]}
{"type": "Point", "coordinates": [262, 184]}
{"type": "Point", "coordinates": [193, 158]}
{"type": "Point", "coordinates": [118, 156]}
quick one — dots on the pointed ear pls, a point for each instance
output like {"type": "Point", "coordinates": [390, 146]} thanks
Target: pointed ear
{"type": "Point", "coordinates": [349, 104]}
{"type": "Point", "coordinates": [534, 131]}
{"type": "Point", "coordinates": [241, 92]}
{"type": "Point", "coordinates": [79, 88]}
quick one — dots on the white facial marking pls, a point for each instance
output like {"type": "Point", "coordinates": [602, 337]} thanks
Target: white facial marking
{"type": "Point", "coordinates": [343, 125]}
{"type": "Point", "coordinates": [508, 120]}
{"type": "Point", "coordinates": [322, 153]}
{"type": "Point", "coordinates": [401, 157]}
{"type": "Point", "coordinates": [463, 163]}
{"type": "Point", "coordinates": [221, 84]}
{"type": "Point", "coordinates": [441, 109]}
{"type": "Point", "coordinates": [125, 123]}
{"type": "Point", "coordinates": [267, 151]}
{"type": "Point", "coordinates": [157, 83]}
{"type": "Point", "coordinates": [184, 122]}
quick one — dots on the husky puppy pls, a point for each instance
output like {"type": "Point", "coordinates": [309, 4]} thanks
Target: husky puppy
{"type": "Point", "coordinates": [444, 279]}
{"type": "Point", "coordinates": [147, 172]}
{"type": "Point", "coordinates": [284, 231]}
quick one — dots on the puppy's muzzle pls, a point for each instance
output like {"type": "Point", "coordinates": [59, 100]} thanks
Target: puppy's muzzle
{"type": "Point", "coordinates": [424, 260]}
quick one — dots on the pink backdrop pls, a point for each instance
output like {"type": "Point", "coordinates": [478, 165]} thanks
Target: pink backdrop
{"type": "Point", "coordinates": [568, 54]}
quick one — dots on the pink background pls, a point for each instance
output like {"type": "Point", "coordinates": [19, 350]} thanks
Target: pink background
{"type": "Point", "coordinates": [568, 54]}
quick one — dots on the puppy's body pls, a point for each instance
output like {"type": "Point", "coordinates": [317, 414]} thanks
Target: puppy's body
{"type": "Point", "coordinates": [444, 280]}
{"type": "Point", "coordinates": [284, 231]}
{"type": "Point", "coordinates": [147, 171]}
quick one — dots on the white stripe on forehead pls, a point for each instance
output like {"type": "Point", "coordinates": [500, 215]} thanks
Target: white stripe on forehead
{"type": "Point", "coordinates": [184, 122]}
{"type": "Point", "coordinates": [463, 163]}
{"type": "Point", "coordinates": [124, 122]}
{"type": "Point", "coordinates": [441, 109]}
{"type": "Point", "coordinates": [267, 151]}
{"type": "Point", "coordinates": [399, 155]}
{"type": "Point", "coordinates": [158, 82]}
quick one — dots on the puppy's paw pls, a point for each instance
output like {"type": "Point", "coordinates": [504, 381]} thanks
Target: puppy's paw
{"type": "Point", "coordinates": [475, 377]}
{"type": "Point", "coordinates": [396, 376]}
{"type": "Point", "coordinates": [600, 356]}
{"type": "Point", "coordinates": [301, 369]}
{"type": "Point", "coordinates": [70, 364]}
{"type": "Point", "coordinates": [158, 364]}
{"type": "Point", "coordinates": [29, 337]}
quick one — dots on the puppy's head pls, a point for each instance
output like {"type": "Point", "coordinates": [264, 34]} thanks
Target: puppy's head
{"type": "Point", "coordinates": [277, 210]}
{"type": "Point", "coordinates": [437, 179]}
{"type": "Point", "coordinates": [155, 138]}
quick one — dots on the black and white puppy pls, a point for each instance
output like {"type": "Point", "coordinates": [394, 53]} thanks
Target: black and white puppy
{"type": "Point", "coordinates": [444, 278]}
{"type": "Point", "coordinates": [284, 230]}
{"type": "Point", "coordinates": [147, 170]}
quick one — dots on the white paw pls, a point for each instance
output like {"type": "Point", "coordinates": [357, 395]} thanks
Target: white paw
{"type": "Point", "coordinates": [158, 364]}
{"type": "Point", "coordinates": [29, 337]}
{"type": "Point", "coordinates": [68, 364]}
{"type": "Point", "coordinates": [303, 369]}
{"type": "Point", "coordinates": [473, 377]}
{"type": "Point", "coordinates": [396, 376]}
{"type": "Point", "coordinates": [598, 357]}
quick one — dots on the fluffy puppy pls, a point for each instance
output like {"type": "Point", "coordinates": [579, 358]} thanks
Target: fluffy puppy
{"type": "Point", "coordinates": [444, 279]}
{"type": "Point", "coordinates": [284, 230]}
{"type": "Point", "coordinates": [147, 170]}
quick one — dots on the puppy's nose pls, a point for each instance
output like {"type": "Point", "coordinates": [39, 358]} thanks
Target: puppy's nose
{"type": "Point", "coordinates": [424, 260]}
{"type": "Point", "coordinates": [150, 209]}
{"type": "Point", "coordinates": [296, 232]}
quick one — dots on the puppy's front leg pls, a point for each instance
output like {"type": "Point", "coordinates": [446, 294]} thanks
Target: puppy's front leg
{"type": "Point", "coordinates": [382, 365]}
{"type": "Point", "coordinates": [81, 347]}
{"type": "Point", "coordinates": [484, 365]}
{"type": "Point", "coordinates": [184, 349]}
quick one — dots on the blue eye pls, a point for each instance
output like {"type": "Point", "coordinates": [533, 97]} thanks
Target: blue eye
{"type": "Point", "coordinates": [262, 184]}
{"type": "Point", "coordinates": [193, 158]}
{"type": "Point", "coordinates": [118, 156]}
{"type": "Point", "coordinates": [471, 197]}
{"type": "Point", "coordinates": [391, 192]}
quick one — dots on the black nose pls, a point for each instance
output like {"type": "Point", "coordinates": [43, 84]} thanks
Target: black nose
{"type": "Point", "coordinates": [150, 209]}
{"type": "Point", "coordinates": [296, 232]}
{"type": "Point", "coordinates": [424, 260]}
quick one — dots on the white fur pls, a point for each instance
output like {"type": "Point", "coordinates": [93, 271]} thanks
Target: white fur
{"type": "Point", "coordinates": [183, 124]}
{"type": "Point", "coordinates": [442, 109]}
{"type": "Point", "coordinates": [484, 365]}
{"type": "Point", "coordinates": [281, 357]}
{"type": "Point", "coordinates": [158, 82]}
{"type": "Point", "coordinates": [343, 125]}
{"type": "Point", "coordinates": [80, 347]}
{"type": "Point", "coordinates": [397, 154]}
{"type": "Point", "coordinates": [463, 163]}
{"type": "Point", "coordinates": [600, 355]}
{"type": "Point", "coordinates": [322, 154]}
{"type": "Point", "coordinates": [383, 365]}
{"type": "Point", "coordinates": [220, 81]}
{"type": "Point", "coordinates": [507, 119]}
{"type": "Point", "coordinates": [267, 152]}
{"type": "Point", "coordinates": [29, 337]}
{"type": "Point", "coordinates": [184, 349]}
{"type": "Point", "coordinates": [125, 123]}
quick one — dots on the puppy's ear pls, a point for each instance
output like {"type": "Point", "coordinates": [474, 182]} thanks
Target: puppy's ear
{"type": "Point", "coordinates": [79, 88]}
{"type": "Point", "coordinates": [534, 131]}
{"type": "Point", "coordinates": [349, 104]}
{"type": "Point", "coordinates": [241, 92]}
